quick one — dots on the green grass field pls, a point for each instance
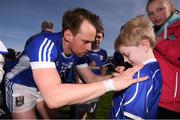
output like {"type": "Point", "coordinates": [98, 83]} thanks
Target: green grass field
{"type": "Point", "coordinates": [103, 109]}
{"type": "Point", "coordinates": [104, 106]}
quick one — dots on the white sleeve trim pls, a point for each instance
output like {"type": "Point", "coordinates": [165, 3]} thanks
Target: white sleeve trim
{"type": "Point", "coordinates": [82, 65]}
{"type": "Point", "coordinates": [37, 65]}
{"type": "Point", "coordinates": [3, 49]}
{"type": "Point", "coordinates": [105, 65]}
{"type": "Point", "coordinates": [132, 116]}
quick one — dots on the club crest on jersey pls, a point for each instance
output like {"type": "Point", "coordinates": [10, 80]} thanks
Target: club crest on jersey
{"type": "Point", "coordinates": [19, 100]}
{"type": "Point", "coordinates": [57, 63]}
{"type": "Point", "coordinates": [101, 57]}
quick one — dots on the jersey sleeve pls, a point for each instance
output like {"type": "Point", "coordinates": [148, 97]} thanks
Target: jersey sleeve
{"type": "Point", "coordinates": [81, 63]}
{"type": "Point", "coordinates": [42, 53]}
{"type": "Point", "coordinates": [3, 49]}
{"type": "Point", "coordinates": [105, 59]}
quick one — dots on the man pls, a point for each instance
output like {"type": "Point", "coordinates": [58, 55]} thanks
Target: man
{"type": "Point", "coordinates": [49, 55]}
{"type": "Point", "coordinates": [97, 59]}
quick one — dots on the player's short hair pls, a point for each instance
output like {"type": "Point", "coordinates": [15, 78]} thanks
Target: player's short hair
{"type": "Point", "coordinates": [134, 31]}
{"type": "Point", "coordinates": [72, 19]}
{"type": "Point", "coordinates": [46, 25]}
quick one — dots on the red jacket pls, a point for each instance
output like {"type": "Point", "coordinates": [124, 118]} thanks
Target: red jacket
{"type": "Point", "coordinates": [167, 52]}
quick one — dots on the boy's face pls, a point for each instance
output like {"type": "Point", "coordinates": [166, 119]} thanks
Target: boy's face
{"type": "Point", "coordinates": [159, 11]}
{"type": "Point", "coordinates": [98, 40]}
{"type": "Point", "coordinates": [132, 54]}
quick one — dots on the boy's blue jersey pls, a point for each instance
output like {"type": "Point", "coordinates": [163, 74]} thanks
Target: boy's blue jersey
{"type": "Point", "coordinates": [44, 51]}
{"type": "Point", "coordinates": [99, 57]}
{"type": "Point", "coordinates": [140, 101]}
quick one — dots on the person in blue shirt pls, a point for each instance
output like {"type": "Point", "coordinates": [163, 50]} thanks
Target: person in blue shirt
{"type": "Point", "coordinates": [46, 26]}
{"type": "Point", "coordinates": [38, 74]}
{"type": "Point", "coordinates": [97, 59]}
{"type": "Point", "coordinates": [139, 101]}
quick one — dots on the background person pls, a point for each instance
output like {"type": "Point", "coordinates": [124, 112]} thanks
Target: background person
{"type": "Point", "coordinates": [166, 22]}
{"type": "Point", "coordinates": [46, 27]}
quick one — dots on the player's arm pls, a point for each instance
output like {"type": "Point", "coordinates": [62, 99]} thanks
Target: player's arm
{"type": "Point", "coordinates": [57, 94]}
{"type": "Point", "coordinates": [89, 76]}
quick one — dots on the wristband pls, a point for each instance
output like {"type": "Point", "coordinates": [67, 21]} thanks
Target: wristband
{"type": "Point", "coordinates": [109, 85]}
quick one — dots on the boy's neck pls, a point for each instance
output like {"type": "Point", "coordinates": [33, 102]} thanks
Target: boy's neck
{"type": "Point", "coordinates": [149, 56]}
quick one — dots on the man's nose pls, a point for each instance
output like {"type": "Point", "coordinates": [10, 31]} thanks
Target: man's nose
{"type": "Point", "coordinates": [88, 47]}
{"type": "Point", "coordinates": [126, 59]}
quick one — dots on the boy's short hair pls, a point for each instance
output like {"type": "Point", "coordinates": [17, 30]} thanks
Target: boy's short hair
{"type": "Point", "coordinates": [134, 31]}
{"type": "Point", "coordinates": [100, 28]}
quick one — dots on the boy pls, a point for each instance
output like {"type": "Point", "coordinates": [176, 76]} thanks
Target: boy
{"type": "Point", "coordinates": [140, 101]}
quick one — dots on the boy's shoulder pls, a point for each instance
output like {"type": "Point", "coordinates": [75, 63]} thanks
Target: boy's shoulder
{"type": "Point", "coordinates": [148, 69]}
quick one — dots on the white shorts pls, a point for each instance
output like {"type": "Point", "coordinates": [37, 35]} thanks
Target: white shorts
{"type": "Point", "coordinates": [20, 98]}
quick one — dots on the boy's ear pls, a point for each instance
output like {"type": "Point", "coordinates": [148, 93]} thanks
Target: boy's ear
{"type": "Point", "coordinates": [145, 44]}
{"type": "Point", "coordinates": [68, 35]}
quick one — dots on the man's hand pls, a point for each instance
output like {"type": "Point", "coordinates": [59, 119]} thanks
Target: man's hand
{"type": "Point", "coordinates": [125, 78]}
{"type": "Point", "coordinates": [118, 70]}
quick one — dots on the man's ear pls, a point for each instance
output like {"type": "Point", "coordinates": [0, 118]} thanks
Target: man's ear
{"type": "Point", "coordinates": [145, 44]}
{"type": "Point", "coordinates": [68, 35]}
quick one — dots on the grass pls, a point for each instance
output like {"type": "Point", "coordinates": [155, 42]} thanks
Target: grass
{"type": "Point", "coordinates": [104, 107]}
{"type": "Point", "coordinates": [102, 112]}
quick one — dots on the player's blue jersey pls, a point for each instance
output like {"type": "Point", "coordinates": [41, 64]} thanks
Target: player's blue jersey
{"type": "Point", "coordinates": [44, 51]}
{"type": "Point", "coordinates": [140, 101]}
{"type": "Point", "coordinates": [99, 57]}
